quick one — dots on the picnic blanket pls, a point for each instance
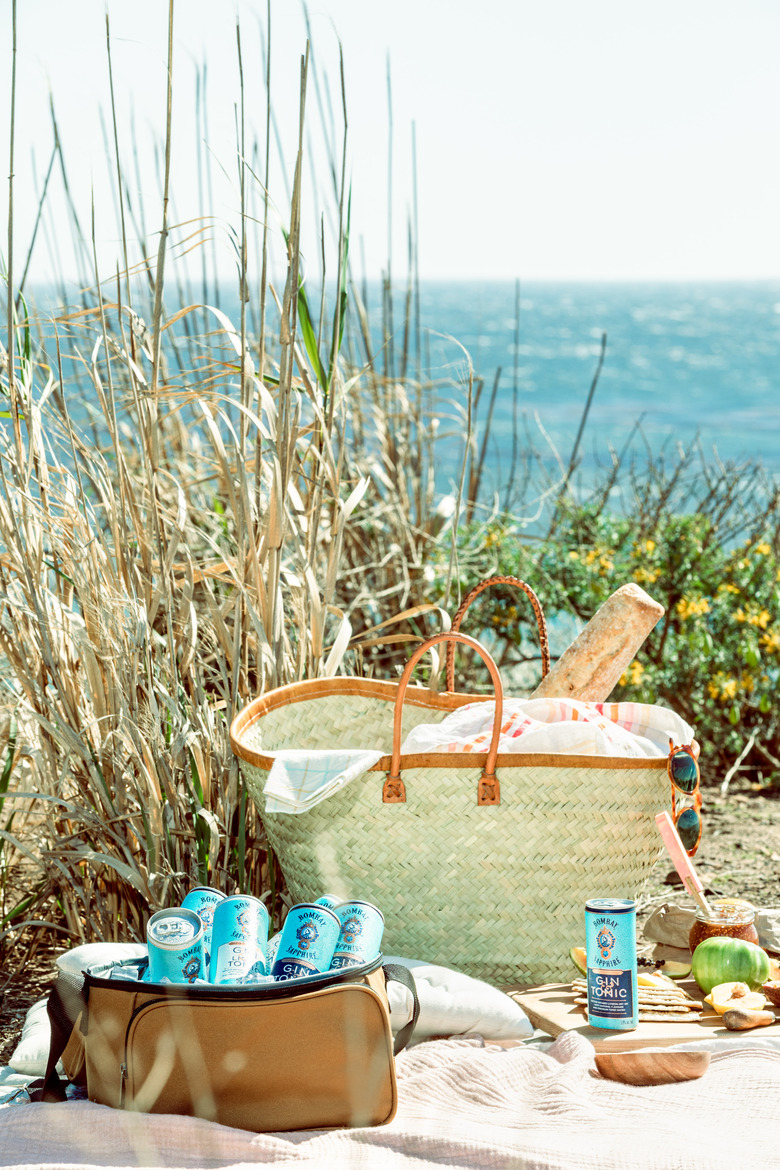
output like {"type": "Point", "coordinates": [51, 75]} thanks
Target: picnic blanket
{"type": "Point", "coordinates": [462, 1104]}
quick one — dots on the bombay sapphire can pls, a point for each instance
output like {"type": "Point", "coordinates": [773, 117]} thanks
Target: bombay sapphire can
{"type": "Point", "coordinates": [309, 937]}
{"type": "Point", "coordinates": [329, 900]}
{"type": "Point", "coordinates": [273, 947]}
{"type": "Point", "coordinates": [239, 935]}
{"type": "Point", "coordinates": [610, 947]}
{"type": "Point", "coordinates": [175, 942]}
{"type": "Point", "coordinates": [203, 899]}
{"type": "Point", "coordinates": [362, 926]}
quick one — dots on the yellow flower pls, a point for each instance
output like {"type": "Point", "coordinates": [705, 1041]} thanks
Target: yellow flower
{"type": "Point", "coordinates": [747, 683]}
{"type": "Point", "coordinates": [761, 620]}
{"type": "Point", "coordinates": [691, 608]}
{"type": "Point", "coordinates": [606, 564]}
{"type": "Point", "coordinates": [575, 556]}
{"type": "Point", "coordinates": [727, 587]}
{"type": "Point", "coordinates": [714, 688]}
{"type": "Point", "coordinates": [591, 557]}
{"type": "Point", "coordinates": [763, 549]}
{"type": "Point", "coordinates": [647, 576]}
{"type": "Point", "coordinates": [635, 672]}
{"type": "Point", "coordinates": [649, 546]}
{"type": "Point", "coordinates": [729, 689]}
{"type": "Point", "coordinates": [771, 641]}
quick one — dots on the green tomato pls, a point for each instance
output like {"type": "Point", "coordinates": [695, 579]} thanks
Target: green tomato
{"type": "Point", "coordinates": [729, 960]}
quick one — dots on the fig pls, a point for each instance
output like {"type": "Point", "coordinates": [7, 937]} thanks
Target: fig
{"type": "Point", "coordinates": [772, 991]}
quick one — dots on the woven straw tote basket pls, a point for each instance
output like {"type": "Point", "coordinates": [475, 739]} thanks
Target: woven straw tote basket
{"type": "Point", "coordinates": [481, 863]}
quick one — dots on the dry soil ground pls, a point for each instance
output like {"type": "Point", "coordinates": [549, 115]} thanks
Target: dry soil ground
{"type": "Point", "coordinates": [739, 856]}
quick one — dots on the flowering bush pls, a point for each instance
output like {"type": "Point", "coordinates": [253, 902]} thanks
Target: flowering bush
{"type": "Point", "coordinates": [715, 655]}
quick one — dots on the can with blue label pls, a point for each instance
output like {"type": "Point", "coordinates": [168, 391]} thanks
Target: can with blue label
{"type": "Point", "coordinates": [175, 943]}
{"type": "Point", "coordinates": [239, 936]}
{"type": "Point", "coordinates": [309, 938]}
{"type": "Point", "coordinates": [610, 947]}
{"type": "Point", "coordinates": [360, 937]}
{"type": "Point", "coordinates": [273, 947]}
{"type": "Point", "coordinates": [203, 899]}
{"type": "Point", "coordinates": [329, 900]}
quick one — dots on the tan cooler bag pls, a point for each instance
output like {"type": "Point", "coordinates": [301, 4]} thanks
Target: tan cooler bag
{"type": "Point", "coordinates": [308, 1053]}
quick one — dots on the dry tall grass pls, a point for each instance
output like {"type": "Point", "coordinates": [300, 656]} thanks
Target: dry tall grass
{"type": "Point", "coordinates": [190, 512]}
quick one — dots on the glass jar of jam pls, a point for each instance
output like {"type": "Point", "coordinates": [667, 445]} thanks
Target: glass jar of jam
{"type": "Point", "coordinates": [729, 920]}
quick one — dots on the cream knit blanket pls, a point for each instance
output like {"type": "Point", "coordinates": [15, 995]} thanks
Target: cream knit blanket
{"type": "Point", "coordinates": [462, 1104]}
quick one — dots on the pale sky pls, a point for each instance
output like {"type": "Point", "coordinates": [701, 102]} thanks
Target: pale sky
{"type": "Point", "coordinates": [556, 139]}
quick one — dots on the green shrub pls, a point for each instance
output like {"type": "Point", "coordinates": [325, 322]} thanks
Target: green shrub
{"type": "Point", "coordinates": [713, 657]}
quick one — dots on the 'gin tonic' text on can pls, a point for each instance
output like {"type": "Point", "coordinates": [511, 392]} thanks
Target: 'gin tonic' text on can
{"type": "Point", "coordinates": [309, 937]}
{"type": "Point", "coordinates": [362, 926]}
{"type": "Point", "coordinates": [175, 941]}
{"type": "Point", "coordinates": [203, 899]}
{"type": "Point", "coordinates": [239, 936]}
{"type": "Point", "coordinates": [610, 945]}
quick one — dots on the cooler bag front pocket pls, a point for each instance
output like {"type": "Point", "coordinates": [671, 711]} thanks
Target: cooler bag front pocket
{"type": "Point", "coordinates": [314, 1060]}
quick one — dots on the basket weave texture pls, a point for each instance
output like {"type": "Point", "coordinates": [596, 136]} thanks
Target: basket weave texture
{"type": "Point", "coordinates": [495, 891]}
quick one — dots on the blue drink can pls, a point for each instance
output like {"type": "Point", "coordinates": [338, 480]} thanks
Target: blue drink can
{"type": "Point", "coordinates": [329, 900]}
{"type": "Point", "coordinates": [610, 947]}
{"type": "Point", "coordinates": [309, 937]}
{"type": "Point", "coordinates": [273, 947]}
{"type": "Point", "coordinates": [175, 942]}
{"type": "Point", "coordinates": [203, 899]}
{"type": "Point", "coordinates": [239, 935]}
{"type": "Point", "coordinates": [362, 926]}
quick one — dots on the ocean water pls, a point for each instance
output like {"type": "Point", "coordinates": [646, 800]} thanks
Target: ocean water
{"type": "Point", "coordinates": [687, 362]}
{"type": "Point", "coordinates": [691, 360]}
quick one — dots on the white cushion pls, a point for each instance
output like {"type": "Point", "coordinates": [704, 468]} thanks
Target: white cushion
{"type": "Point", "coordinates": [452, 1004]}
{"type": "Point", "coordinates": [99, 954]}
{"type": "Point", "coordinates": [32, 1052]}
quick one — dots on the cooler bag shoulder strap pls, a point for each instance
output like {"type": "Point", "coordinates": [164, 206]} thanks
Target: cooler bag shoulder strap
{"type": "Point", "coordinates": [65, 1007]}
{"type": "Point", "coordinates": [403, 975]}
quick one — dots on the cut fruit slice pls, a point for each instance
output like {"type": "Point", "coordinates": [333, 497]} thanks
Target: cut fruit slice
{"type": "Point", "coordinates": [578, 958]}
{"type": "Point", "coordinates": [659, 982]}
{"type": "Point", "coordinates": [774, 968]}
{"type": "Point", "coordinates": [674, 970]}
{"type": "Point", "coordinates": [730, 996]}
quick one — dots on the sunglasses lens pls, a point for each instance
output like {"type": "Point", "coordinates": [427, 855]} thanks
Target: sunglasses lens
{"type": "Point", "coordinates": [689, 828]}
{"type": "Point", "coordinates": [684, 772]}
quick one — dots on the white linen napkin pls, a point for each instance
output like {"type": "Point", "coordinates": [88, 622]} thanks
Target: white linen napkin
{"type": "Point", "coordinates": [299, 779]}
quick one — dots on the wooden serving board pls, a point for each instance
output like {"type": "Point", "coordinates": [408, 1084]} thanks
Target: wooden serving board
{"type": "Point", "coordinates": [552, 1009]}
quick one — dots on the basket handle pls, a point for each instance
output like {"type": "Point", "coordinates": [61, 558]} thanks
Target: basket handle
{"type": "Point", "coordinates": [488, 792]}
{"type": "Point", "coordinates": [474, 593]}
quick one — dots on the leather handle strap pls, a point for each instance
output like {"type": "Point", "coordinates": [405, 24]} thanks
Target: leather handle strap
{"type": "Point", "coordinates": [541, 622]}
{"type": "Point", "coordinates": [393, 791]}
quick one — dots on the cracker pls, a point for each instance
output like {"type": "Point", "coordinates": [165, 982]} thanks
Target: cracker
{"type": "Point", "coordinates": [656, 1008]}
{"type": "Point", "coordinates": [654, 1016]}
